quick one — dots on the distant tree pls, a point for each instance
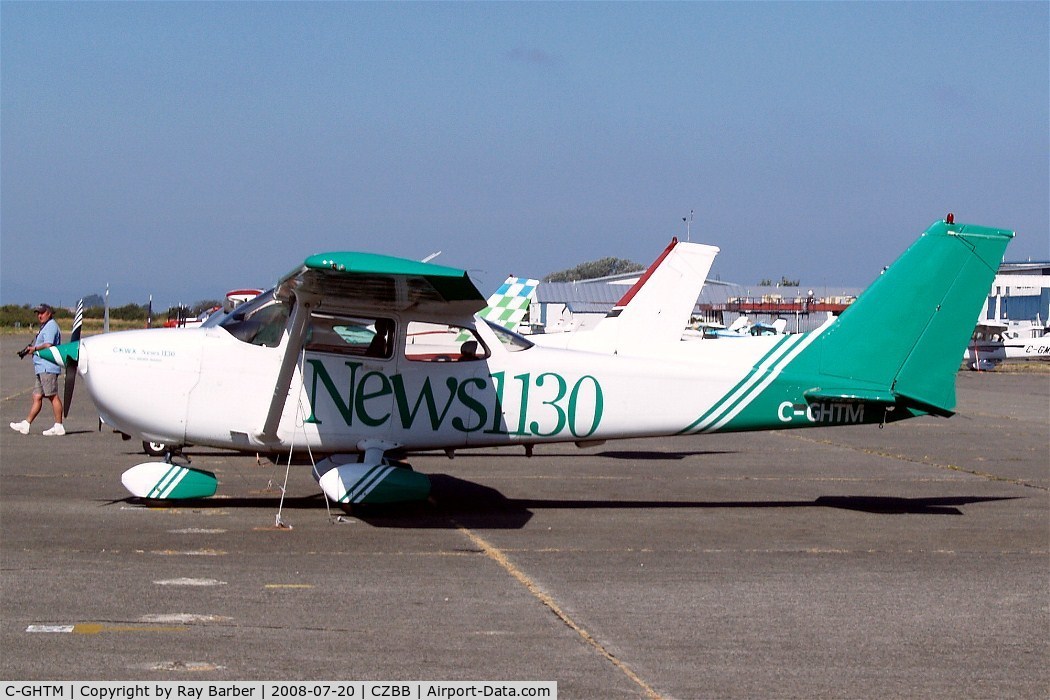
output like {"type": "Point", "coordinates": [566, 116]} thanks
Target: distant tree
{"type": "Point", "coordinates": [93, 300]}
{"type": "Point", "coordinates": [204, 305]}
{"type": "Point", "coordinates": [595, 269]}
{"type": "Point", "coordinates": [179, 311]}
{"type": "Point", "coordinates": [765, 282]}
{"type": "Point", "coordinates": [129, 312]}
{"type": "Point", "coordinates": [21, 316]}
{"type": "Point", "coordinates": [24, 316]}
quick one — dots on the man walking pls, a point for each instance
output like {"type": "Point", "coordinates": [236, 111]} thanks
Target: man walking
{"type": "Point", "coordinates": [46, 386]}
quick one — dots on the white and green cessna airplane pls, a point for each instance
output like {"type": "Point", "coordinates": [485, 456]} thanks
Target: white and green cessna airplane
{"type": "Point", "coordinates": [363, 359]}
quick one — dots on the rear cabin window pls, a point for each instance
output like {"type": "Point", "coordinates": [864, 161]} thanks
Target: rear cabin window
{"type": "Point", "coordinates": [351, 335]}
{"type": "Point", "coordinates": [432, 342]}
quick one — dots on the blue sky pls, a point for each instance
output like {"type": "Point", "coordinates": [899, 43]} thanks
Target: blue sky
{"type": "Point", "coordinates": [184, 149]}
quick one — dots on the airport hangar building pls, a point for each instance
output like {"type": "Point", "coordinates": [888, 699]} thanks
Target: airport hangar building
{"type": "Point", "coordinates": [1020, 292]}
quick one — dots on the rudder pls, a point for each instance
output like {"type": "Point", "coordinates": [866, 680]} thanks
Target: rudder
{"type": "Point", "coordinates": [907, 332]}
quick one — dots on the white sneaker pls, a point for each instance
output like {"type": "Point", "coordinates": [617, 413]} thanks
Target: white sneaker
{"type": "Point", "coordinates": [22, 427]}
{"type": "Point", "coordinates": [56, 429]}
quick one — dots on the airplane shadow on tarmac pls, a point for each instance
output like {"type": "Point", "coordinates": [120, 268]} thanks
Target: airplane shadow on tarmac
{"type": "Point", "coordinates": [458, 503]}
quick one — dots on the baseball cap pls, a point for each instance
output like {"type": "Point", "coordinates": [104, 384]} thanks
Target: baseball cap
{"type": "Point", "coordinates": [43, 307]}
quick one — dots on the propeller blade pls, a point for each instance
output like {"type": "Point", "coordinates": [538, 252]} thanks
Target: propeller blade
{"type": "Point", "coordinates": [71, 380]}
{"type": "Point", "coordinates": [78, 321]}
{"type": "Point", "coordinates": [71, 362]}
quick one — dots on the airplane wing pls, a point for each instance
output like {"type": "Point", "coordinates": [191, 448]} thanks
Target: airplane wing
{"type": "Point", "coordinates": [382, 282]}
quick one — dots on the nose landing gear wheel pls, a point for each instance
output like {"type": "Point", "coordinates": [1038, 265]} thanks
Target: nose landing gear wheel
{"type": "Point", "coordinates": [155, 449]}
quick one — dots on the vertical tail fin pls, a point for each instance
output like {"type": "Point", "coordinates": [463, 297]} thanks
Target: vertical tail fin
{"type": "Point", "coordinates": [907, 332]}
{"type": "Point", "coordinates": [656, 310]}
{"type": "Point", "coordinates": [508, 304]}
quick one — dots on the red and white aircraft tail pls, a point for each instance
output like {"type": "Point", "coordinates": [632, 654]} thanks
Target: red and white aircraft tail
{"type": "Point", "coordinates": [654, 312]}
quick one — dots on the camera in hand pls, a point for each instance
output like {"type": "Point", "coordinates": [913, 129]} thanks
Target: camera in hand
{"type": "Point", "coordinates": [24, 351]}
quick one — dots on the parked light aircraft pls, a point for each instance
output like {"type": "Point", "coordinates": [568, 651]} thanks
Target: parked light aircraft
{"type": "Point", "coordinates": [740, 328]}
{"type": "Point", "coordinates": [743, 328]}
{"type": "Point", "coordinates": [358, 358]}
{"type": "Point", "coordinates": [995, 342]}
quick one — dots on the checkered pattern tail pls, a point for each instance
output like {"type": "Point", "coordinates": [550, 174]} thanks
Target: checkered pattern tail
{"type": "Point", "coordinates": [509, 304]}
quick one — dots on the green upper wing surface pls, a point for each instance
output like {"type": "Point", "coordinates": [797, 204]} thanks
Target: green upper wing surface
{"type": "Point", "coordinates": [383, 282]}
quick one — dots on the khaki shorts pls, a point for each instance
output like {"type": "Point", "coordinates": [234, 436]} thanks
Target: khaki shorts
{"type": "Point", "coordinates": [46, 385]}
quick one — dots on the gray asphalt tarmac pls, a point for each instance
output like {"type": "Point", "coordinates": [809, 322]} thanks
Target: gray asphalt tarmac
{"type": "Point", "coordinates": [854, 562]}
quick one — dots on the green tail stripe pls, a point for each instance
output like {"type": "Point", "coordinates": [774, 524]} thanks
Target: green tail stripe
{"type": "Point", "coordinates": [756, 391]}
{"type": "Point", "coordinates": [730, 396]}
{"type": "Point", "coordinates": [755, 383]}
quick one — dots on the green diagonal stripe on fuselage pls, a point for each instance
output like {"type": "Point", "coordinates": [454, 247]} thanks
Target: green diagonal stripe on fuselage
{"type": "Point", "coordinates": [727, 401]}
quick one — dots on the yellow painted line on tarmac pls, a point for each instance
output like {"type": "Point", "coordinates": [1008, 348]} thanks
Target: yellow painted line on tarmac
{"type": "Point", "coordinates": [494, 553]}
{"type": "Point", "coordinates": [187, 666]}
{"type": "Point", "coordinates": [98, 628]}
{"type": "Point", "coordinates": [15, 396]}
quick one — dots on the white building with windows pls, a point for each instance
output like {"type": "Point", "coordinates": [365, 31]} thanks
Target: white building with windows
{"type": "Point", "coordinates": [1020, 292]}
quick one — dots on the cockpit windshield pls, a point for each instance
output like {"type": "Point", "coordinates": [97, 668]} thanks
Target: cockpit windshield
{"type": "Point", "coordinates": [510, 340]}
{"type": "Point", "coordinates": [260, 321]}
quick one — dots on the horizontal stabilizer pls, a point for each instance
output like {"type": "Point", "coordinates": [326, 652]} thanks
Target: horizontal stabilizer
{"type": "Point", "coordinates": [852, 394]}
{"type": "Point", "coordinates": [922, 403]}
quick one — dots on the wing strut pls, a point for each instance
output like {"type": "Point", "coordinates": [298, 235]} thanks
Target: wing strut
{"type": "Point", "coordinates": [304, 303]}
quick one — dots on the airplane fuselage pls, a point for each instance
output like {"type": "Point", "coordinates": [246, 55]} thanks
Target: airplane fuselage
{"type": "Point", "coordinates": [205, 387]}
